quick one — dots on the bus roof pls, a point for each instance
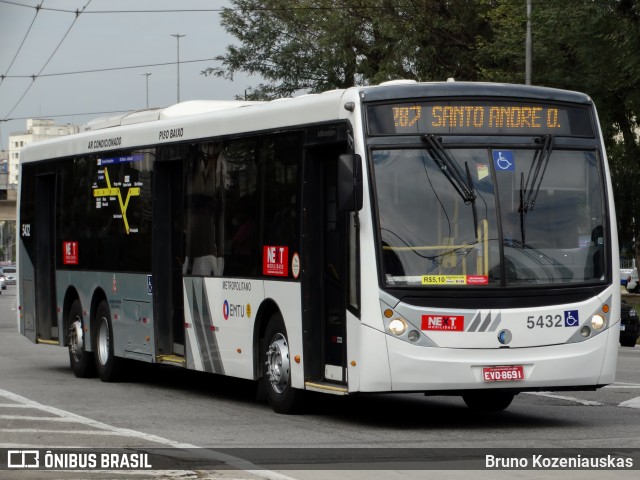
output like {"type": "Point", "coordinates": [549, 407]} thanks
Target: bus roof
{"type": "Point", "coordinates": [395, 90]}
{"type": "Point", "coordinates": [206, 119]}
{"type": "Point", "coordinates": [189, 120]}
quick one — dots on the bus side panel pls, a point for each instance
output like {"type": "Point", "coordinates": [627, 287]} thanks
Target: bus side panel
{"type": "Point", "coordinates": [202, 347]}
{"type": "Point", "coordinates": [287, 295]}
{"type": "Point", "coordinates": [131, 317]}
{"type": "Point", "coordinates": [354, 327]}
{"type": "Point", "coordinates": [133, 296]}
{"type": "Point", "coordinates": [219, 317]}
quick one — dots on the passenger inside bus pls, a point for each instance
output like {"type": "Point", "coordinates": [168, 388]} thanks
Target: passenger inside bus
{"type": "Point", "coordinates": [242, 258]}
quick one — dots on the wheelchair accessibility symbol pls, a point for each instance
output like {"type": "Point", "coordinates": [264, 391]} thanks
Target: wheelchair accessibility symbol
{"type": "Point", "coordinates": [571, 318]}
{"type": "Point", "coordinates": [503, 160]}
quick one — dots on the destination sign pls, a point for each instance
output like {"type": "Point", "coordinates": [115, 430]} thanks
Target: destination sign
{"type": "Point", "coordinates": [474, 117]}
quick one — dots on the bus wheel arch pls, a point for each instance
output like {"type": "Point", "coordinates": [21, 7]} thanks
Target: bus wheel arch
{"type": "Point", "coordinates": [81, 359]}
{"type": "Point", "coordinates": [108, 366]}
{"type": "Point", "coordinates": [276, 367]}
{"type": "Point", "coordinates": [267, 309]}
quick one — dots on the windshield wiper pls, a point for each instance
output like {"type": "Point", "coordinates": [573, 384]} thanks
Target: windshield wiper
{"type": "Point", "coordinates": [538, 168]}
{"type": "Point", "coordinates": [529, 192]}
{"type": "Point", "coordinates": [450, 169]}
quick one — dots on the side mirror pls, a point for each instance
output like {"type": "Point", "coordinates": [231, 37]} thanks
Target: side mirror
{"type": "Point", "coordinates": [350, 183]}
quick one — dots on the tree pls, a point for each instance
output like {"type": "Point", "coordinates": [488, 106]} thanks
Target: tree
{"type": "Point", "coordinates": [589, 46]}
{"type": "Point", "coordinates": [316, 45]}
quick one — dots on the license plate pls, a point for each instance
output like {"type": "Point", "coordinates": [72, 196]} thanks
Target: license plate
{"type": "Point", "coordinates": [503, 373]}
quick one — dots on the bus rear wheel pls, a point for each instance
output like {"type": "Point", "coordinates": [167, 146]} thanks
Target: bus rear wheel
{"type": "Point", "coordinates": [282, 397]}
{"type": "Point", "coordinates": [108, 366]}
{"type": "Point", "coordinates": [488, 401]}
{"type": "Point", "coordinates": [81, 361]}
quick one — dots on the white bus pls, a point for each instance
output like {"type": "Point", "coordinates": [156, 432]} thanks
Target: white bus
{"type": "Point", "coordinates": [449, 238]}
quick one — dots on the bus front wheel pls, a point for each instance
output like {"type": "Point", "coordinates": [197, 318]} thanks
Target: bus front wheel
{"type": "Point", "coordinates": [276, 379]}
{"type": "Point", "coordinates": [488, 401]}
{"type": "Point", "coordinates": [81, 361]}
{"type": "Point", "coordinates": [108, 366]}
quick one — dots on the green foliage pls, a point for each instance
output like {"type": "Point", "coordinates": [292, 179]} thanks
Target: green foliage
{"type": "Point", "coordinates": [300, 46]}
{"type": "Point", "coordinates": [316, 45]}
{"type": "Point", "coordinates": [585, 45]}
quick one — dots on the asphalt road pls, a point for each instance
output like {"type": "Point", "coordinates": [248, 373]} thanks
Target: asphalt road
{"type": "Point", "coordinates": [42, 405]}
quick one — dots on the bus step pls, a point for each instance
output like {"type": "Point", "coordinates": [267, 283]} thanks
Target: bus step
{"type": "Point", "coordinates": [171, 359]}
{"type": "Point", "coordinates": [325, 387]}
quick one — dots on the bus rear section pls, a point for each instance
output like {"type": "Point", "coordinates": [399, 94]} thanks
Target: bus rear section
{"type": "Point", "coordinates": [195, 252]}
{"type": "Point", "coordinates": [495, 242]}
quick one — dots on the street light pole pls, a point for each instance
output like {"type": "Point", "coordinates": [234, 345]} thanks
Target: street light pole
{"type": "Point", "coordinates": [528, 46]}
{"type": "Point", "coordinates": [178, 36]}
{"type": "Point", "coordinates": [147, 75]}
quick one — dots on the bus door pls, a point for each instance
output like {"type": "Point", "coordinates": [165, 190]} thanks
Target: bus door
{"type": "Point", "coordinates": [324, 278]}
{"type": "Point", "coordinates": [45, 286]}
{"type": "Point", "coordinates": [167, 246]}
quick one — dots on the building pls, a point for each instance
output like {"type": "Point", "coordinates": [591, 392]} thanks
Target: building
{"type": "Point", "coordinates": [4, 174]}
{"type": "Point", "coordinates": [7, 211]}
{"type": "Point", "coordinates": [38, 129]}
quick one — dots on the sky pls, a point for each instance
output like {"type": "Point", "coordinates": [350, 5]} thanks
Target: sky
{"type": "Point", "coordinates": [107, 41]}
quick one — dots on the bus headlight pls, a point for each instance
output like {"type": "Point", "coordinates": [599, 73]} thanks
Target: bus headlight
{"type": "Point", "coordinates": [397, 326]}
{"type": "Point", "coordinates": [598, 322]}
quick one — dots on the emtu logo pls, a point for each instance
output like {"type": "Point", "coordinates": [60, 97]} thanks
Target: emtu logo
{"type": "Point", "coordinates": [443, 323]}
{"type": "Point", "coordinates": [225, 310]}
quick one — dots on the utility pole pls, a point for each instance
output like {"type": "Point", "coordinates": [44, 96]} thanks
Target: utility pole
{"type": "Point", "coordinates": [528, 46]}
{"type": "Point", "coordinates": [178, 37]}
{"type": "Point", "coordinates": [147, 75]}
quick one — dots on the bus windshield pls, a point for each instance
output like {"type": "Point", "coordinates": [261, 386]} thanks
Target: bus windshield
{"type": "Point", "coordinates": [489, 216]}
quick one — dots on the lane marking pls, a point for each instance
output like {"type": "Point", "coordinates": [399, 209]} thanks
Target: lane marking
{"type": "Point", "coordinates": [633, 403]}
{"type": "Point", "coordinates": [568, 399]}
{"type": "Point", "coordinates": [58, 432]}
{"type": "Point", "coordinates": [107, 429]}
{"type": "Point", "coordinates": [47, 419]}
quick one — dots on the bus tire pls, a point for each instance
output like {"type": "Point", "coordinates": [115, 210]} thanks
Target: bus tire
{"type": "Point", "coordinates": [628, 341]}
{"type": "Point", "coordinates": [276, 380]}
{"type": "Point", "coordinates": [81, 361]}
{"type": "Point", "coordinates": [488, 401]}
{"type": "Point", "coordinates": [108, 366]}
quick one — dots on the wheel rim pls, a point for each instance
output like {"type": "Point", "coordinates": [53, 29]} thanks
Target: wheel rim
{"type": "Point", "coordinates": [103, 341]}
{"type": "Point", "coordinates": [76, 339]}
{"type": "Point", "coordinates": [278, 363]}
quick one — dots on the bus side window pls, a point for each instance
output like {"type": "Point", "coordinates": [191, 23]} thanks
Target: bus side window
{"type": "Point", "coordinates": [240, 207]}
{"type": "Point", "coordinates": [280, 157]}
{"type": "Point", "coordinates": [203, 255]}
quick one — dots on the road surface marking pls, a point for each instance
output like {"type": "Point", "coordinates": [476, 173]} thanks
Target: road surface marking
{"type": "Point", "coordinates": [568, 399]}
{"type": "Point", "coordinates": [633, 403]}
{"type": "Point", "coordinates": [107, 429]}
